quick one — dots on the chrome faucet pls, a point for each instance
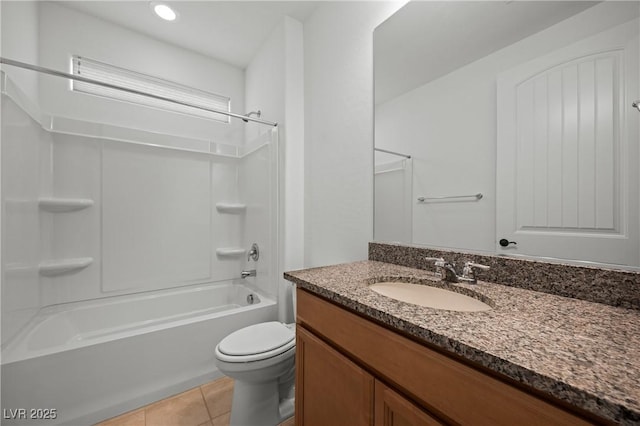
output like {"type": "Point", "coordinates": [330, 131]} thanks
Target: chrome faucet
{"type": "Point", "coordinates": [249, 273]}
{"type": "Point", "coordinates": [448, 272]}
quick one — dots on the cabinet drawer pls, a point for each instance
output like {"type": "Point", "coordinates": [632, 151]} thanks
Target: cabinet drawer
{"type": "Point", "coordinates": [454, 391]}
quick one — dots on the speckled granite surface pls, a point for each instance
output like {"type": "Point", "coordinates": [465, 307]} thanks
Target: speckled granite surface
{"type": "Point", "coordinates": [612, 287]}
{"type": "Point", "coordinates": [585, 353]}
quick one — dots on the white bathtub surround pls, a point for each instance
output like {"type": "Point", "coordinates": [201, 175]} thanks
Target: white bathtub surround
{"type": "Point", "coordinates": [96, 359]}
{"type": "Point", "coordinates": [112, 238]}
{"type": "Point", "coordinates": [108, 199]}
{"type": "Point", "coordinates": [25, 149]}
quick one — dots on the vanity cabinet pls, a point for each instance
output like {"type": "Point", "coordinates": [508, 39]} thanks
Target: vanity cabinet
{"type": "Point", "coordinates": [353, 371]}
{"type": "Point", "coordinates": [392, 409]}
{"type": "Point", "coordinates": [336, 390]}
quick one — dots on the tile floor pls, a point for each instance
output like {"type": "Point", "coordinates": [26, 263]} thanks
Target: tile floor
{"type": "Point", "coordinates": [206, 405]}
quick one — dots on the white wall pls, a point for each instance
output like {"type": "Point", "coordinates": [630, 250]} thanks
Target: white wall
{"type": "Point", "coordinates": [19, 26]}
{"type": "Point", "coordinates": [448, 126]}
{"type": "Point", "coordinates": [292, 172]}
{"type": "Point", "coordinates": [338, 64]}
{"type": "Point", "coordinates": [274, 85]}
{"type": "Point", "coordinates": [65, 32]}
{"type": "Point", "coordinates": [264, 83]}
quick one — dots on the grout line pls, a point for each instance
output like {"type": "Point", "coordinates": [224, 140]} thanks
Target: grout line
{"type": "Point", "coordinates": [206, 406]}
{"type": "Point", "coordinates": [145, 408]}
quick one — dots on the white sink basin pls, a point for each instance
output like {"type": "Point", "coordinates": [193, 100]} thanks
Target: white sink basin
{"type": "Point", "coordinates": [432, 297]}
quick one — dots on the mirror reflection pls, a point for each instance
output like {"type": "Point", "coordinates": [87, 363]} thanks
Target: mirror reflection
{"type": "Point", "coordinates": [508, 128]}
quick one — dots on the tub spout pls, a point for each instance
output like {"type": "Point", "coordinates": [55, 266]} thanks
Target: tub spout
{"type": "Point", "coordinates": [250, 273]}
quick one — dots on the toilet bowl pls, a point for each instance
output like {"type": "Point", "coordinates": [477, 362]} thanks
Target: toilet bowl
{"type": "Point", "coordinates": [261, 359]}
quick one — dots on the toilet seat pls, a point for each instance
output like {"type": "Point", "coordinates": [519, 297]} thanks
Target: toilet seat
{"type": "Point", "coordinates": [256, 342]}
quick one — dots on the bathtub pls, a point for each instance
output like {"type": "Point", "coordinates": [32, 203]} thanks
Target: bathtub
{"type": "Point", "coordinates": [87, 361]}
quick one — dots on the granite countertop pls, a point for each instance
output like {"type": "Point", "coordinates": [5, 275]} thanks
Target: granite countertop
{"type": "Point", "coordinates": [585, 353]}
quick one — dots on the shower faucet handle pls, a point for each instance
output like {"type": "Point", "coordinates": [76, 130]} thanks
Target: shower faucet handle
{"type": "Point", "coordinates": [254, 252]}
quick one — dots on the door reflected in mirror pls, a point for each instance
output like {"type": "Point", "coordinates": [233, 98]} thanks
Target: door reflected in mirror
{"type": "Point", "coordinates": [526, 103]}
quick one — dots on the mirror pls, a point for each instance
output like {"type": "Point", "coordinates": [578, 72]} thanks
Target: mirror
{"type": "Point", "coordinates": [509, 120]}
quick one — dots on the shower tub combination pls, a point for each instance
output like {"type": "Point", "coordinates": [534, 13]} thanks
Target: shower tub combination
{"type": "Point", "coordinates": [83, 362]}
{"type": "Point", "coordinates": [86, 340]}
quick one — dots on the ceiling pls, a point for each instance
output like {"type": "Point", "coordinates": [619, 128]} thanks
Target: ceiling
{"type": "Point", "coordinates": [428, 39]}
{"type": "Point", "coordinates": [231, 31]}
{"type": "Point", "coordinates": [424, 40]}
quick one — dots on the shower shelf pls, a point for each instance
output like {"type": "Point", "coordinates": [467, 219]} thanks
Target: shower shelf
{"type": "Point", "coordinates": [231, 208]}
{"type": "Point", "coordinates": [229, 252]}
{"type": "Point", "coordinates": [57, 267]}
{"type": "Point", "coordinates": [58, 205]}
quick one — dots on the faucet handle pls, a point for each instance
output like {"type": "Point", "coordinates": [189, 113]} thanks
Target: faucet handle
{"type": "Point", "coordinates": [254, 252]}
{"type": "Point", "coordinates": [439, 263]}
{"type": "Point", "coordinates": [469, 270]}
{"type": "Point", "coordinates": [476, 266]}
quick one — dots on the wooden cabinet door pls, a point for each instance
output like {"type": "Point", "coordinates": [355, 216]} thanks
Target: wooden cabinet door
{"type": "Point", "coordinates": [330, 389]}
{"type": "Point", "coordinates": [391, 409]}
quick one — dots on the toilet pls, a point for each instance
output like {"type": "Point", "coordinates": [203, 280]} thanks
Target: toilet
{"type": "Point", "coordinates": [261, 359]}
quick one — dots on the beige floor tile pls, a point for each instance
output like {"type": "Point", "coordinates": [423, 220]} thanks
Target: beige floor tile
{"type": "Point", "coordinates": [222, 420]}
{"type": "Point", "coordinates": [134, 418]}
{"type": "Point", "coordinates": [185, 409]}
{"type": "Point", "coordinates": [291, 421]}
{"type": "Point", "coordinates": [207, 423]}
{"type": "Point", "coordinates": [217, 396]}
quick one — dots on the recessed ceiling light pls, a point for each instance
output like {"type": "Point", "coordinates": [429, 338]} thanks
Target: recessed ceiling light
{"type": "Point", "coordinates": [164, 11]}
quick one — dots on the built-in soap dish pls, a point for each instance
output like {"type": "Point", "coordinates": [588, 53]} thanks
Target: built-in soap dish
{"type": "Point", "coordinates": [231, 208]}
{"type": "Point", "coordinates": [51, 268]}
{"type": "Point", "coordinates": [230, 252]}
{"type": "Point", "coordinates": [59, 205]}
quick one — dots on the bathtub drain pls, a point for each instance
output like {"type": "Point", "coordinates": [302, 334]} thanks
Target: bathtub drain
{"type": "Point", "coordinates": [250, 299]}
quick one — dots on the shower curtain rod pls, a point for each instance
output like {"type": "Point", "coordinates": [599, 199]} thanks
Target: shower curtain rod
{"type": "Point", "coordinates": [49, 71]}
{"type": "Point", "coordinates": [391, 152]}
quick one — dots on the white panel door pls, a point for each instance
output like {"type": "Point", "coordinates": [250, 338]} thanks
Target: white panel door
{"type": "Point", "coordinates": [567, 166]}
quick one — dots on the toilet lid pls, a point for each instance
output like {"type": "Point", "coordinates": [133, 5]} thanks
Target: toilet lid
{"type": "Point", "coordinates": [257, 339]}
